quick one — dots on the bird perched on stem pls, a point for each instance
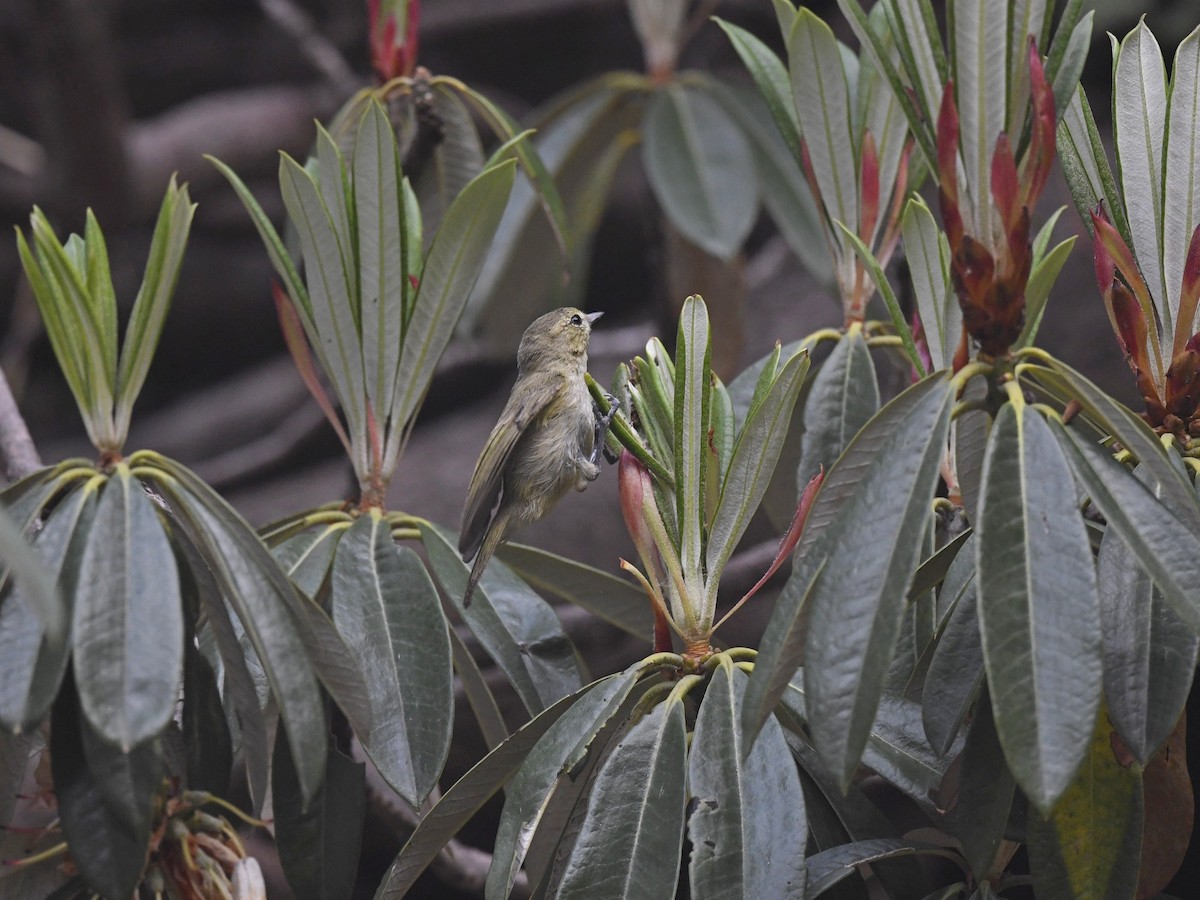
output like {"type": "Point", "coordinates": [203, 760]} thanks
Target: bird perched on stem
{"type": "Point", "coordinates": [548, 439]}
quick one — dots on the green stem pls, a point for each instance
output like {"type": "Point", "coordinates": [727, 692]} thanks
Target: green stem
{"type": "Point", "coordinates": [681, 689]}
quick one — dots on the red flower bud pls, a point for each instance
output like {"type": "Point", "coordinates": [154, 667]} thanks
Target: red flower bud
{"type": "Point", "coordinates": [393, 36]}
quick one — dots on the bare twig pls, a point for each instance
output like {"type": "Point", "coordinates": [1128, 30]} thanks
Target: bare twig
{"type": "Point", "coordinates": [457, 866]}
{"type": "Point", "coordinates": [17, 451]}
{"type": "Point", "coordinates": [297, 24]}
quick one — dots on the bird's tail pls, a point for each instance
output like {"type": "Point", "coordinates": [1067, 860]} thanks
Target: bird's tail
{"type": "Point", "coordinates": [495, 535]}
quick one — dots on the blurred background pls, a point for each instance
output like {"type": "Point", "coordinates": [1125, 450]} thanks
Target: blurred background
{"type": "Point", "coordinates": [101, 100]}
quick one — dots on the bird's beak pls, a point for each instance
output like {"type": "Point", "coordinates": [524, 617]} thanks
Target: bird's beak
{"type": "Point", "coordinates": [592, 317]}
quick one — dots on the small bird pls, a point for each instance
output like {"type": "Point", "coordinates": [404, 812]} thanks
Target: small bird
{"type": "Point", "coordinates": [548, 439]}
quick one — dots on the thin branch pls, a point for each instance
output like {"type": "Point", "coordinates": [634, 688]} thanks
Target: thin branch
{"type": "Point", "coordinates": [297, 24]}
{"type": "Point", "coordinates": [17, 451]}
{"type": "Point", "coordinates": [457, 866]}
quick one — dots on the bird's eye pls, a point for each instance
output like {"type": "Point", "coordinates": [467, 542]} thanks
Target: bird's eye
{"type": "Point", "coordinates": [577, 319]}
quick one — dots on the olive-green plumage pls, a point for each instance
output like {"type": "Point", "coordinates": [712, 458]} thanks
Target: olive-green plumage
{"type": "Point", "coordinates": [543, 444]}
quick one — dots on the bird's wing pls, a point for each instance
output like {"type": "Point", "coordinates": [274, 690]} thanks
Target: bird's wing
{"type": "Point", "coordinates": [487, 484]}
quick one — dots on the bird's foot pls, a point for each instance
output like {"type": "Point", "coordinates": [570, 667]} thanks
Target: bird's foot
{"type": "Point", "coordinates": [602, 421]}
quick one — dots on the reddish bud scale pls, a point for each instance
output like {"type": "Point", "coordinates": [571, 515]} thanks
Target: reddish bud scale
{"type": "Point", "coordinates": [947, 152]}
{"type": "Point", "coordinates": [869, 189]}
{"type": "Point", "coordinates": [809, 174]}
{"type": "Point", "coordinates": [297, 344]}
{"type": "Point", "coordinates": [1189, 293]}
{"type": "Point", "coordinates": [1183, 381]}
{"type": "Point", "coordinates": [918, 333]}
{"type": "Point", "coordinates": [1105, 268]}
{"type": "Point", "coordinates": [1035, 167]}
{"type": "Point", "coordinates": [1005, 188]}
{"type": "Point", "coordinates": [393, 54]}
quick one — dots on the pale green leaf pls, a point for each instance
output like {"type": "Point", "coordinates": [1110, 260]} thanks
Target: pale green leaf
{"type": "Point", "coordinates": [928, 255]}
{"type": "Point", "coordinates": [379, 208]}
{"type": "Point", "coordinates": [335, 333]}
{"type": "Point", "coordinates": [824, 108]}
{"type": "Point", "coordinates": [981, 86]}
{"type": "Point", "coordinates": [153, 299]}
{"type": "Point", "coordinates": [1182, 174]}
{"type": "Point", "coordinates": [1139, 126]}
{"type": "Point", "coordinates": [749, 472]}
{"type": "Point", "coordinates": [699, 166]}
{"type": "Point", "coordinates": [451, 267]}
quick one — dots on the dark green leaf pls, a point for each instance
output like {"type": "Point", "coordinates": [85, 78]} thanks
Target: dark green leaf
{"type": "Point", "coordinates": [1165, 546]}
{"type": "Point", "coordinates": [582, 140]}
{"type": "Point", "coordinates": [109, 853]}
{"type": "Point", "coordinates": [1149, 652]}
{"type": "Point", "coordinates": [699, 166]}
{"type": "Point", "coordinates": [933, 570]}
{"type": "Point", "coordinates": [896, 747]}
{"type": "Point", "coordinates": [31, 665]}
{"type": "Point", "coordinates": [828, 867]}
{"type": "Point", "coordinates": [478, 693]}
{"type": "Point", "coordinates": [1038, 605]}
{"type": "Point", "coordinates": [956, 669]}
{"type": "Point", "coordinates": [319, 843]}
{"type": "Point", "coordinates": [387, 610]}
{"type": "Point", "coordinates": [238, 693]}
{"type": "Point", "coordinates": [632, 834]}
{"type": "Point", "coordinates": [855, 564]}
{"type": "Point", "coordinates": [971, 430]}
{"type": "Point", "coordinates": [336, 666]}
{"type": "Point", "coordinates": [36, 581]}
{"type": "Point", "coordinates": [464, 799]}
{"type": "Point", "coordinates": [127, 633]}
{"type": "Point", "coordinates": [985, 793]}
{"type": "Point", "coordinates": [307, 556]}
{"type": "Point", "coordinates": [264, 600]}
{"type": "Point", "coordinates": [844, 395]}
{"type": "Point", "coordinates": [747, 825]}
{"type": "Point", "coordinates": [856, 818]}
{"type": "Point", "coordinates": [206, 737]}
{"type": "Point", "coordinates": [787, 198]}
{"type": "Point", "coordinates": [516, 627]}
{"type": "Point", "coordinates": [128, 782]}
{"type": "Point", "coordinates": [551, 764]}
{"type": "Point", "coordinates": [615, 600]}
{"type": "Point", "coordinates": [1134, 435]}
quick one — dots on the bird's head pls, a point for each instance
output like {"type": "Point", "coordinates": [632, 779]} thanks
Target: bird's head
{"type": "Point", "coordinates": [559, 336]}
